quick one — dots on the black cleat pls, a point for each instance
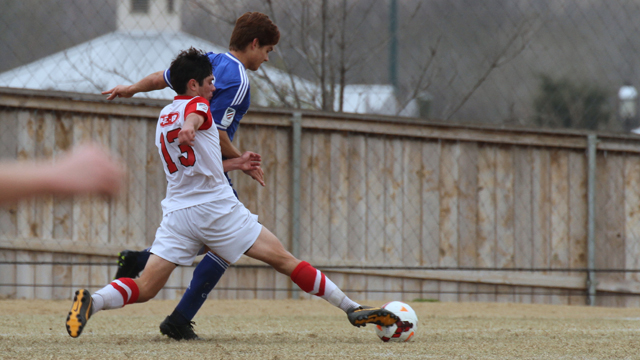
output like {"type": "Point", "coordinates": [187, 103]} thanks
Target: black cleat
{"type": "Point", "coordinates": [80, 312]}
{"type": "Point", "coordinates": [178, 332]}
{"type": "Point", "coordinates": [363, 315]}
{"type": "Point", "coordinates": [127, 264]}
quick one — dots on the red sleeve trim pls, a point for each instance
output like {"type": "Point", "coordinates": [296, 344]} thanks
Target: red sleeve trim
{"type": "Point", "coordinates": [196, 105]}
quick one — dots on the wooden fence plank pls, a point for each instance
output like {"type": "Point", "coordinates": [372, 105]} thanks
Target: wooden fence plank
{"type": "Point", "coordinates": [559, 226]}
{"type": "Point", "coordinates": [411, 204]}
{"type": "Point", "coordinates": [467, 215]}
{"type": "Point", "coordinates": [118, 212]}
{"type": "Point", "coordinates": [449, 197]}
{"type": "Point", "coordinates": [486, 238]}
{"type": "Point", "coordinates": [100, 204]}
{"type": "Point", "coordinates": [320, 201]}
{"type": "Point", "coordinates": [27, 224]}
{"type": "Point", "coordinates": [25, 275]}
{"type": "Point", "coordinates": [247, 283]}
{"type": "Point", "coordinates": [80, 274]}
{"type": "Point", "coordinates": [339, 240]}
{"type": "Point", "coordinates": [577, 217]}
{"type": "Point", "coordinates": [136, 159]}
{"type": "Point", "coordinates": [614, 224]}
{"type": "Point", "coordinates": [283, 200]}
{"type": "Point", "coordinates": [45, 150]}
{"type": "Point", "coordinates": [9, 151]}
{"type": "Point", "coordinates": [541, 222]}
{"type": "Point", "coordinates": [505, 209]}
{"type": "Point", "coordinates": [523, 212]}
{"type": "Point", "coordinates": [393, 189]}
{"type": "Point", "coordinates": [356, 212]}
{"type": "Point", "coordinates": [375, 212]}
{"type": "Point", "coordinates": [82, 206]}
{"type": "Point", "coordinates": [430, 243]}
{"type": "Point", "coordinates": [100, 275]}
{"type": "Point", "coordinates": [63, 209]}
{"type": "Point", "coordinates": [8, 275]}
{"type": "Point", "coordinates": [632, 222]}
{"type": "Point", "coordinates": [43, 276]}
{"type": "Point", "coordinates": [267, 197]}
{"type": "Point", "coordinates": [306, 195]}
{"type": "Point", "coordinates": [62, 276]}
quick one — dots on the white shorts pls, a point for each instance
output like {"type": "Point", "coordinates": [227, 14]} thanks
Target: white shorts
{"type": "Point", "coordinates": [227, 227]}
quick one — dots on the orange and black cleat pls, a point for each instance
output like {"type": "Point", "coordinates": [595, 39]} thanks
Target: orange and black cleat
{"type": "Point", "coordinates": [363, 315]}
{"type": "Point", "coordinates": [80, 312]}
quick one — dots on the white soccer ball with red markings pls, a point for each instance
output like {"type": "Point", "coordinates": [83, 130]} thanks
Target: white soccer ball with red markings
{"type": "Point", "coordinates": [404, 329]}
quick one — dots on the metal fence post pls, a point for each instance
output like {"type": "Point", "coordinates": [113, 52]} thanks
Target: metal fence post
{"type": "Point", "coordinates": [296, 125]}
{"type": "Point", "coordinates": [591, 207]}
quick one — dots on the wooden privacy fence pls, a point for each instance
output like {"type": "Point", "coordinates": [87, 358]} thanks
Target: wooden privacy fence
{"type": "Point", "coordinates": [390, 208]}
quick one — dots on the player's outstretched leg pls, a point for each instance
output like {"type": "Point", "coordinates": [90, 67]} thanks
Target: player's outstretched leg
{"type": "Point", "coordinates": [314, 282]}
{"type": "Point", "coordinates": [269, 249]}
{"type": "Point", "coordinates": [80, 312]}
{"type": "Point", "coordinates": [131, 263]}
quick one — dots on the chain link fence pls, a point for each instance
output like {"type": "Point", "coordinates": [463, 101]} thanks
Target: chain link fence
{"type": "Point", "coordinates": [544, 63]}
{"type": "Point", "coordinates": [390, 208]}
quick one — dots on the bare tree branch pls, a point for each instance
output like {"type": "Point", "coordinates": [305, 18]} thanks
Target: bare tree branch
{"type": "Point", "coordinates": [499, 59]}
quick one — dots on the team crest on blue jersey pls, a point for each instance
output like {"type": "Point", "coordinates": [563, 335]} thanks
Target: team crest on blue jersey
{"type": "Point", "coordinates": [228, 116]}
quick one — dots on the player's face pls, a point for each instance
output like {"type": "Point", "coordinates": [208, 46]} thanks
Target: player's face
{"type": "Point", "coordinates": [207, 88]}
{"type": "Point", "coordinates": [260, 55]}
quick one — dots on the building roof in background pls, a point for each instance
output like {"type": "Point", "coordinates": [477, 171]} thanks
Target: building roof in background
{"type": "Point", "coordinates": [126, 57]}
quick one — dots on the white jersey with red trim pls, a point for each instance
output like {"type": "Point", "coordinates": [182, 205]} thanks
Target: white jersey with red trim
{"type": "Point", "coordinates": [195, 173]}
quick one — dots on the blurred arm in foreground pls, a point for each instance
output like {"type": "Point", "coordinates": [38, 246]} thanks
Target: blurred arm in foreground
{"type": "Point", "coordinates": [87, 169]}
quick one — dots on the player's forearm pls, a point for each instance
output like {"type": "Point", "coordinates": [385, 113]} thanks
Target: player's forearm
{"type": "Point", "coordinates": [151, 82]}
{"type": "Point", "coordinates": [228, 150]}
{"type": "Point", "coordinates": [231, 164]}
{"type": "Point", "coordinates": [21, 180]}
{"type": "Point", "coordinates": [194, 121]}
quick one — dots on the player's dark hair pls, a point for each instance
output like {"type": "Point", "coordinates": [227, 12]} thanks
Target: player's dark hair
{"type": "Point", "coordinates": [189, 64]}
{"type": "Point", "coordinates": [253, 25]}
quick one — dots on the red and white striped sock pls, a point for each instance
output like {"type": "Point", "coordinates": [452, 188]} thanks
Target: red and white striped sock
{"type": "Point", "coordinates": [119, 293]}
{"type": "Point", "coordinates": [314, 282]}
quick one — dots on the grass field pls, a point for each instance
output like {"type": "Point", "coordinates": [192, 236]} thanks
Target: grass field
{"type": "Point", "coordinates": [286, 329]}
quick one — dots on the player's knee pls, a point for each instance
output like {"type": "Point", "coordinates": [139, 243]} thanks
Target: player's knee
{"type": "Point", "coordinates": [147, 289]}
{"type": "Point", "coordinates": [285, 263]}
{"type": "Point", "coordinates": [147, 294]}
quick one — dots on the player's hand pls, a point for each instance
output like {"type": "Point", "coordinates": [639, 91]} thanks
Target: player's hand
{"type": "Point", "coordinates": [249, 161]}
{"type": "Point", "coordinates": [257, 175]}
{"type": "Point", "coordinates": [187, 135]}
{"type": "Point", "coordinates": [123, 91]}
{"type": "Point", "coordinates": [89, 169]}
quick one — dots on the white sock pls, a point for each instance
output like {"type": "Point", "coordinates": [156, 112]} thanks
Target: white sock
{"type": "Point", "coordinates": [314, 282]}
{"type": "Point", "coordinates": [336, 297]}
{"type": "Point", "coordinates": [98, 302]}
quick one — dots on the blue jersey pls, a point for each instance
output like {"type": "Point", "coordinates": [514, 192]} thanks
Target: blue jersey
{"type": "Point", "coordinates": [232, 98]}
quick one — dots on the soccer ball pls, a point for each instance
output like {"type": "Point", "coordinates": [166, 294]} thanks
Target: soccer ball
{"type": "Point", "coordinates": [404, 329]}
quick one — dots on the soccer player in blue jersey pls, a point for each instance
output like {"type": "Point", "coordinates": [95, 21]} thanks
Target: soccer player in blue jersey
{"type": "Point", "coordinates": [253, 38]}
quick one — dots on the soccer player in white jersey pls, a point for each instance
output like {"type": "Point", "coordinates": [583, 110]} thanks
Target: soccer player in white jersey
{"type": "Point", "coordinates": [201, 209]}
{"type": "Point", "coordinates": [253, 37]}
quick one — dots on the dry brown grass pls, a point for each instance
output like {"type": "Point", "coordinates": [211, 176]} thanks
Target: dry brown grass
{"type": "Point", "coordinates": [263, 329]}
